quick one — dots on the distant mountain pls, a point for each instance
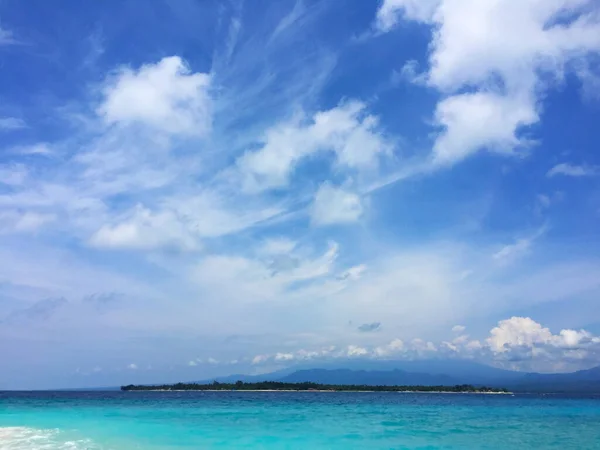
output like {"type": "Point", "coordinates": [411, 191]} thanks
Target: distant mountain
{"type": "Point", "coordinates": [582, 381]}
{"type": "Point", "coordinates": [427, 373]}
{"type": "Point", "coordinates": [430, 373]}
{"type": "Point", "coordinates": [368, 377]}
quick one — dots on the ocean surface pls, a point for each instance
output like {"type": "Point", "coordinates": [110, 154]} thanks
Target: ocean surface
{"type": "Point", "coordinates": [289, 420]}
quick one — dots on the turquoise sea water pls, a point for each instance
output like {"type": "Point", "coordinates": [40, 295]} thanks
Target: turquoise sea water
{"type": "Point", "coordinates": [288, 420]}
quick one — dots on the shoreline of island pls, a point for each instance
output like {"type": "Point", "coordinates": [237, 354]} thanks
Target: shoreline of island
{"type": "Point", "coordinates": [276, 386]}
{"type": "Point", "coordinates": [320, 391]}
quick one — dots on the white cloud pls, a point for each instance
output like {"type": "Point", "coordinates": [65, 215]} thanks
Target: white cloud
{"type": "Point", "coordinates": [23, 221]}
{"type": "Point", "coordinates": [518, 342]}
{"type": "Point", "coordinates": [353, 273]}
{"type": "Point", "coordinates": [354, 350]}
{"type": "Point", "coordinates": [258, 359]}
{"type": "Point", "coordinates": [393, 348]}
{"type": "Point", "coordinates": [192, 363]}
{"type": "Point", "coordinates": [520, 248]}
{"type": "Point", "coordinates": [6, 37]}
{"type": "Point", "coordinates": [458, 328]}
{"type": "Point", "coordinates": [40, 148]}
{"type": "Point", "coordinates": [278, 246]}
{"type": "Point", "coordinates": [284, 357]}
{"type": "Point", "coordinates": [347, 131]}
{"type": "Point", "coordinates": [502, 51]}
{"type": "Point", "coordinates": [13, 174]}
{"type": "Point", "coordinates": [132, 366]}
{"type": "Point", "coordinates": [480, 120]}
{"type": "Point", "coordinates": [390, 10]}
{"type": "Point", "coordinates": [335, 205]}
{"type": "Point", "coordinates": [166, 96]}
{"type": "Point", "coordinates": [573, 170]}
{"type": "Point", "coordinates": [11, 123]}
{"type": "Point", "coordinates": [544, 201]}
{"type": "Point", "coordinates": [241, 278]}
{"type": "Point", "coordinates": [517, 333]}
{"type": "Point", "coordinates": [146, 230]}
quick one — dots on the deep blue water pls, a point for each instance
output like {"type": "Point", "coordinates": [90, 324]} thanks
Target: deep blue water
{"type": "Point", "coordinates": [289, 420]}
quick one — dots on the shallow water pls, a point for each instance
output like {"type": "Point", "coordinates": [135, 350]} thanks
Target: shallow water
{"type": "Point", "coordinates": [291, 420]}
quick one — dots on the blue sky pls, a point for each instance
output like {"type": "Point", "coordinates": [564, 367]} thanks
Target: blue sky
{"type": "Point", "coordinates": [197, 188]}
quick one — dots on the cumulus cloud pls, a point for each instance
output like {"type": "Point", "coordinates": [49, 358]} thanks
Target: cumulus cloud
{"type": "Point", "coordinates": [389, 12]}
{"type": "Point", "coordinates": [480, 120]}
{"type": "Point", "coordinates": [347, 131]}
{"type": "Point", "coordinates": [458, 328]}
{"type": "Point", "coordinates": [519, 342]}
{"type": "Point", "coordinates": [335, 206]}
{"type": "Point", "coordinates": [570, 170]}
{"type": "Point", "coordinates": [504, 62]}
{"type": "Point", "coordinates": [166, 95]}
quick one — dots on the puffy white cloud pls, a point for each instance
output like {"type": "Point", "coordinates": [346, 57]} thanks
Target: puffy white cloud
{"type": "Point", "coordinates": [503, 51]}
{"type": "Point", "coordinates": [519, 342]}
{"type": "Point", "coordinates": [396, 346]}
{"type": "Point", "coordinates": [132, 366]}
{"type": "Point", "coordinates": [390, 11]}
{"type": "Point", "coordinates": [166, 96]}
{"type": "Point", "coordinates": [284, 357]}
{"type": "Point", "coordinates": [458, 328]}
{"type": "Point", "coordinates": [573, 170]}
{"type": "Point", "coordinates": [479, 120]}
{"type": "Point", "coordinates": [335, 205]}
{"type": "Point", "coordinates": [523, 340]}
{"type": "Point", "coordinates": [347, 131]}
{"type": "Point", "coordinates": [354, 350]}
{"type": "Point", "coordinates": [258, 359]}
{"type": "Point", "coordinates": [517, 331]}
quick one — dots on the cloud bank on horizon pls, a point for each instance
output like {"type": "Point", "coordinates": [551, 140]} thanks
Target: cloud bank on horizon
{"type": "Point", "coordinates": [191, 189]}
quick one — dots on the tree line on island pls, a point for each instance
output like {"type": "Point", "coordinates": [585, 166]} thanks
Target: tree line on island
{"type": "Point", "coordinates": [307, 386]}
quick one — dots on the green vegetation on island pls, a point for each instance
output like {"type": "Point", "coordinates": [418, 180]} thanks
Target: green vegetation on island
{"type": "Point", "coordinates": [308, 386]}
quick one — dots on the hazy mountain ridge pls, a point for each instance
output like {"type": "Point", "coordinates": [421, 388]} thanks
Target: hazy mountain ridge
{"type": "Point", "coordinates": [430, 373]}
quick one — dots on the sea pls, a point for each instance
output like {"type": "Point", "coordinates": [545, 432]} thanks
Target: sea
{"type": "Point", "coordinates": [295, 420]}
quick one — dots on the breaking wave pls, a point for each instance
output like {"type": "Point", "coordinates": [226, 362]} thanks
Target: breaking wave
{"type": "Point", "coordinates": [22, 438]}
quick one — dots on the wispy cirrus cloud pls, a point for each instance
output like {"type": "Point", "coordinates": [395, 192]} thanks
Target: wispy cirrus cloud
{"type": "Point", "coordinates": [571, 170]}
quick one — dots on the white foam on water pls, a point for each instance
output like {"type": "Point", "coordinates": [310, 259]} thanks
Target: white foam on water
{"type": "Point", "coordinates": [23, 438]}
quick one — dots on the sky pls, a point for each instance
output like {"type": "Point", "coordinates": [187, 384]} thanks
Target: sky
{"type": "Point", "coordinates": [197, 188]}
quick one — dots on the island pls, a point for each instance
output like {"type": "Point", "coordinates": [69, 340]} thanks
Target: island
{"type": "Point", "coordinates": [271, 386]}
